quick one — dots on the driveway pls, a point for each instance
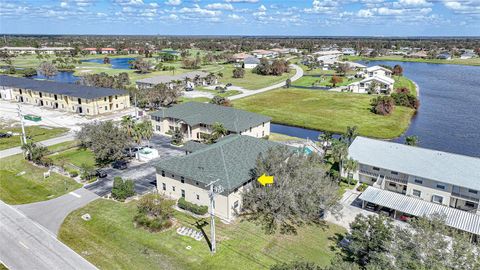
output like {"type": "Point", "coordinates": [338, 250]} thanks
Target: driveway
{"type": "Point", "coordinates": [50, 214]}
{"type": "Point", "coordinates": [24, 244]}
{"type": "Point", "coordinates": [142, 173]}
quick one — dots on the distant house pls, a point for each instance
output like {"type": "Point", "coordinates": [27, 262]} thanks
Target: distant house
{"type": "Point", "coordinates": [378, 70]}
{"type": "Point", "coordinates": [468, 54]}
{"type": "Point", "coordinates": [348, 51]}
{"type": "Point", "coordinates": [240, 57]}
{"type": "Point", "coordinates": [172, 52]}
{"type": "Point", "coordinates": [75, 98]}
{"type": "Point", "coordinates": [328, 52]}
{"type": "Point", "coordinates": [90, 50]}
{"type": "Point", "coordinates": [194, 119]}
{"type": "Point", "coordinates": [419, 54]}
{"type": "Point", "coordinates": [444, 56]}
{"type": "Point", "coordinates": [32, 50]}
{"type": "Point", "coordinates": [132, 50]}
{"type": "Point", "coordinates": [108, 50]}
{"type": "Point", "coordinates": [190, 79]}
{"type": "Point", "coordinates": [264, 54]}
{"type": "Point", "coordinates": [229, 162]}
{"type": "Point", "coordinates": [250, 62]}
{"type": "Point", "coordinates": [383, 85]}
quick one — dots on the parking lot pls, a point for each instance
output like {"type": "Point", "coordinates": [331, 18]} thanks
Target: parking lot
{"type": "Point", "coordinates": [142, 173]}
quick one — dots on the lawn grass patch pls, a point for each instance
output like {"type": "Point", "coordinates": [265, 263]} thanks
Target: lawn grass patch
{"type": "Point", "coordinates": [30, 186]}
{"type": "Point", "coordinates": [327, 111]}
{"type": "Point", "coordinates": [282, 138]}
{"type": "Point", "coordinates": [252, 81]}
{"type": "Point", "coordinates": [110, 241]}
{"type": "Point", "coordinates": [309, 81]}
{"type": "Point", "coordinates": [401, 81]}
{"type": "Point", "coordinates": [197, 99]}
{"type": "Point", "coordinates": [76, 156]}
{"type": "Point", "coordinates": [36, 133]}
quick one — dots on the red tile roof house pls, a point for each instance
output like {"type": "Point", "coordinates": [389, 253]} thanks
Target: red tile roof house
{"type": "Point", "coordinates": [90, 50]}
{"type": "Point", "coordinates": [108, 50]}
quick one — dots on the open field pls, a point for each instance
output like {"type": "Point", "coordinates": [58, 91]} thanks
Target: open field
{"type": "Point", "coordinates": [22, 182]}
{"type": "Point", "coordinates": [309, 81]}
{"type": "Point", "coordinates": [455, 61]}
{"type": "Point", "coordinates": [110, 241]}
{"type": "Point", "coordinates": [327, 111]}
{"type": "Point", "coordinates": [75, 156]}
{"type": "Point", "coordinates": [35, 133]}
{"type": "Point", "coordinates": [252, 81]}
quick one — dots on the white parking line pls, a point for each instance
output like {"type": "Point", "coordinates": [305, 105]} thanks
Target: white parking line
{"type": "Point", "coordinates": [25, 246]}
{"type": "Point", "coordinates": [75, 194]}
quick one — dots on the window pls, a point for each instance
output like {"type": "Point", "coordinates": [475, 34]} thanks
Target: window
{"type": "Point", "coordinates": [182, 179]}
{"type": "Point", "coordinates": [198, 197]}
{"type": "Point", "coordinates": [263, 124]}
{"type": "Point", "coordinates": [79, 101]}
{"type": "Point", "coordinates": [469, 204]}
{"type": "Point", "coordinates": [73, 108]}
{"type": "Point", "coordinates": [105, 99]}
{"type": "Point", "coordinates": [440, 186]}
{"type": "Point", "coordinates": [392, 184]}
{"type": "Point", "coordinates": [183, 193]}
{"type": "Point", "coordinates": [106, 109]}
{"type": "Point", "coordinates": [416, 193]}
{"type": "Point", "coordinates": [393, 172]}
{"type": "Point", "coordinates": [173, 188]}
{"type": "Point", "coordinates": [196, 183]}
{"type": "Point", "coordinates": [362, 85]}
{"type": "Point", "coordinates": [163, 173]}
{"type": "Point", "coordinates": [164, 186]}
{"type": "Point", "coordinates": [88, 111]}
{"type": "Point", "coordinates": [418, 181]}
{"type": "Point", "coordinates": [116, 97]}
{"type": "Point", "coordinates": [116, 105]}
{"type": "Point", "coordinates": [473, 191]}
{"type": "Point", "coordinates": [437, 199]}
{"type": "Point", "coordinates": [263, 133]}
{"type": "Point", "coordinates": [376, 169]}
{"type": "Point", "coordinates": [235, 205]}
{"type": "Point", "coordinates": [173, 176]}
{"type": "Point", "coordinates": [40, 94]}
{"type": "Point", "coordinates": [250, 129]}
{"type": "Point", "coordinates": [158, 128]}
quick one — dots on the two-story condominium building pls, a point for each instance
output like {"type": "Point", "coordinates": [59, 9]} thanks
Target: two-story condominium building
{"type": "Point", "coordinates": [419, 181]}
{"type": "Point", "coordinates": [85, 100]}
{"type": "Point", "coordinates": [194, 119]}
{"type": "Point", "coordinates": [229, 162]}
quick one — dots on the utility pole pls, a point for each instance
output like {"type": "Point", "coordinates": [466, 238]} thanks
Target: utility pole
{"type": "Point", "coordinates": [135, 98]}
{"type": "Point", "coordinates": [214, 190]}
{"type": "Point", "coordinates": [24, 137]}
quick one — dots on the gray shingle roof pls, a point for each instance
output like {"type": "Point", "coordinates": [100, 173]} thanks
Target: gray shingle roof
{"type": "Point", "coordinates": [231, 160]}
{"type": "Point", "coordinates": [192, 146]}
{"type": "Point", "coordinates": [455, 218]}
{"type": "Point", "coordinates": [194, 113]}
{"type": "Point", "coordinates": [68, 89]}
{"type": "Point", "coordinates": [251, 60]}
{"type": "Point", "coordinates": [459, 170]}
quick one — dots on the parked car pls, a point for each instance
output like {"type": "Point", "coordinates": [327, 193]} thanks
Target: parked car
{"type": "Point", "coordinates": [228, 85]}
{"type": "Point", "coordinates": [405, 218]}
{"type": "Point", "coordinates": [5, 134]}
{"type": "Point", "coordinates": [218, 88]}
{"type": "Point", "coordinates": [100, 173]}
{"type": "Point", "coordinates": [119, 164]}
{"type": "Point", "coordinates": [370, 206]}
{"type": "Point", "coordinates": [188, 89]}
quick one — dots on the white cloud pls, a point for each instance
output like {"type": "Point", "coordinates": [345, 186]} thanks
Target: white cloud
{"type": "Point", "coordinates": [463, 7]}
{"type": "Point", "coordinates": [129, 2]}
{"type": "Point", "coordinates": [242, 1]}
{"type": "Point", "coordinates": [262, 8]}
{"type": "Point", "coordinates": [101, 14]}
{"type": "Point", "coordinates": [414, 3]}
{"type": "Point", "coordinates": [173, 17]}
{"type": "Point", "coordinates": [153, 5]}
{"type": "Point", "coordinates": [63, 4]}
{"type": "Point", "coordinates": [235, 17]}
{"type": "Point", "coordinates": [196, 9]}
{"type": "Point", "coordinates": [83, 3]}
{"type": "Point", "coordinates": [322, 6]}
{"type": "Point", "coordinates": [364, 13]}
{"type": "Point", "coordinates": [173, 2]}
{"type": "Point", "coordinates": [220, 6]}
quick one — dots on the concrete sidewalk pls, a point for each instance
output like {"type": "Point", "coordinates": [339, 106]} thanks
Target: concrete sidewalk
{"type": "Point", "coordinates": [50, 214]}
{"type": "Point", "coordinates": [24, 244]}
{"type": "Point", "coordinates": [18, 150]}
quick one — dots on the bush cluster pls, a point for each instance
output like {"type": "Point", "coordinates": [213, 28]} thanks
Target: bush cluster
{"type": "Point", "coordinates": [349, 181]}
{"type": "Point", "coordinates": [383, 105]}
{"type": "Point", "coordinates": [191, 207]}
{"type": "Point", "coordinates": [402, 97]}
{"type": "Point", "coordinates": [154, 212]}
{"type": "Point", "coordinates": [122, 189]}
{"type": "Point", "coordinates": [362, 187]}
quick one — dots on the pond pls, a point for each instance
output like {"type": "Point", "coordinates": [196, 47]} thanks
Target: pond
{"type": "Point", "coordinates": [117, 63]}
{"type": "Point", "coordinates": [62, 76]}
{"type": "Point", "coordinates": [449, 115]}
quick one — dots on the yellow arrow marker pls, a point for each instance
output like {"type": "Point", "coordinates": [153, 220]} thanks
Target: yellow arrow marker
{"type": "Point", "coordinates": [264, 179]}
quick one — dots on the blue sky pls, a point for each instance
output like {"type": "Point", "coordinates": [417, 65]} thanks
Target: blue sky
{"type": "Point", "coordinates": [242, 17]}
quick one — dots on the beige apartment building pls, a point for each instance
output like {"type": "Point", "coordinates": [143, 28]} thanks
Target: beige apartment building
{"type": "Point", "coordinates": [447, 179]}
{"type": "Point", "coordinates": [227, 162]}
{"type": "Point", "coordinates": [84, 100]}
{"type": "Point", "coordinates": [194, 119]}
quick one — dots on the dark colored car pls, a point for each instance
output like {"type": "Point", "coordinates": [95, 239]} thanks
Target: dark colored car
{"type": "Point", "coordinates": [5, 135]}
{"type": "Point", "coordinates": [218, 88]}
{"type": "Point", "coordinates": [188, 89]}
{"type": "Point", "coordinates": [228, 85]}
{"type": "Point", "coordinates": [100, 173]}
{"type": "Point", "coordinates": [370, 206]}
{"type": "Point", "coordinates": [119, 164]}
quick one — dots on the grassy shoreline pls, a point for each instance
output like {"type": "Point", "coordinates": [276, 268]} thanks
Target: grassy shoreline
{"type": "Point", "coordinates": [455, 61]}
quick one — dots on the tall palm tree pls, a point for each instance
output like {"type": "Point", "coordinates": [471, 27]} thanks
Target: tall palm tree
{"type": "Point", "coordinates": [34, 152]}
{"type": "Point", "coordinates": [146, 130]}
{"type": "Point", "coordinates": [339, 152]}
{"type": "Point", "coordinates": [350, 165]}
{"type": "Point", "coordinates": [218, 131]}
{"type": "Point", "coordinates": [351, 134]}
{"type": "Point", "coordinates": [325, 139]}
{"type": "Point", "coordinates": [128, 123]}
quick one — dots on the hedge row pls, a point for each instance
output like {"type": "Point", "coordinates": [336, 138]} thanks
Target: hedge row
{"type": "Point", "coordinates": [191, 207]}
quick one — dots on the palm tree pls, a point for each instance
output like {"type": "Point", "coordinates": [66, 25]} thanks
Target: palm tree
{"type": "Point", "coordinates": [34, 152]}
{"type": "Point", "coordinates": [339, 152]}
{"type": "Point", "coordinates": [218, 131]}
{"type": "Point", "coordinates": [128, 124]}
{"type": "Point", "coordinates": [146, 130]}
{"type": "Point", "coordinates": [411, 140]}
{"type": "Point", "coordinates": [325, 140]}
{"type": "Point", "coordinates": [350, 165]}
{"type": "Point", "coordinates": [351, 134]}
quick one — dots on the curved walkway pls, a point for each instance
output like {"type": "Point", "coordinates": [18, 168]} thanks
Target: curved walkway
{"type": "Point", "coordinates": [298, 75]}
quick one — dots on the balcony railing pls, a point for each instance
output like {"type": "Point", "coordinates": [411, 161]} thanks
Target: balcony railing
{"type": "Point", "coordinates": [466, 197]}
{"type": "Point", "coordinates": [369, 173]}
{"type": "Point", "coordinates": [396, 179]}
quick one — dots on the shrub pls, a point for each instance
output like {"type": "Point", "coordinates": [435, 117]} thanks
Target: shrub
{"type": "Point", "coordinates": [383, 105]}
{"type": "Point", "coordinates": [154, 212]}
{"type": "Point", "coordinates": [362, 187]}
{"type": "Point", "coordinates": [405, 99]}
{"type": "Point", "coordinates": [349, 181]}
{"type": "Point", "coordinates": [191, 207]}
{"type": "Point", "coordinates": [122, 189]}
{"type": "Point", "coordinates": [73, 173]}
{"type": "Point", "coordinates": [177, 137]}
{"type": "Point", "coordinates": [238, 72]}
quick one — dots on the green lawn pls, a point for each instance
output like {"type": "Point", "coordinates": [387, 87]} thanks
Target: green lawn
{"type": "Point", "coordinates": [401, 81]}
{"type": "Point", "coordinates": [251, 80]}
{"type": "Point", "coordinates": [75, 156]}
{"type": "Point", "coordinates": [455, 61]}
{"type": "Point", "coordinates": [327, 111]}
{"type": "Point", "coordinates": [110, 241]}
{"type": "Point", "coordinates": [309, 81]}
{"type": "Point", "coordinates": [282, 138]}
{"type": "Point", "coordinates": [36, 133]}
{"type": "Point", "coordinates": [30, 186]}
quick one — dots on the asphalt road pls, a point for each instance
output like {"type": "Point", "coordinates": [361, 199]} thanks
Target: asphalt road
{"type": "Point", "coordinates": [17, 150]}
{"type": "Point", "coordinates": [24, 244]}
{"type": "Point", "coordinates": [142, 173]}
{"type": "Point", "coordinates": [50, 214]}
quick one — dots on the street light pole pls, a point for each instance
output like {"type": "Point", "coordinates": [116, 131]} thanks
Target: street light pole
{"type": "Point", "coordinates": [24, 137]}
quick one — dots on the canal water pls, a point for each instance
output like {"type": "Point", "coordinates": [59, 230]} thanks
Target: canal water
{"type": "Point", "coordinates": [62, 76]}
{"type": "Point", "coordinates": [449, 115]}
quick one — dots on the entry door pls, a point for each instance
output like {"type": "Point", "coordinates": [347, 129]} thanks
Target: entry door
{"type": "Point", "coordinates": [80, 110]}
